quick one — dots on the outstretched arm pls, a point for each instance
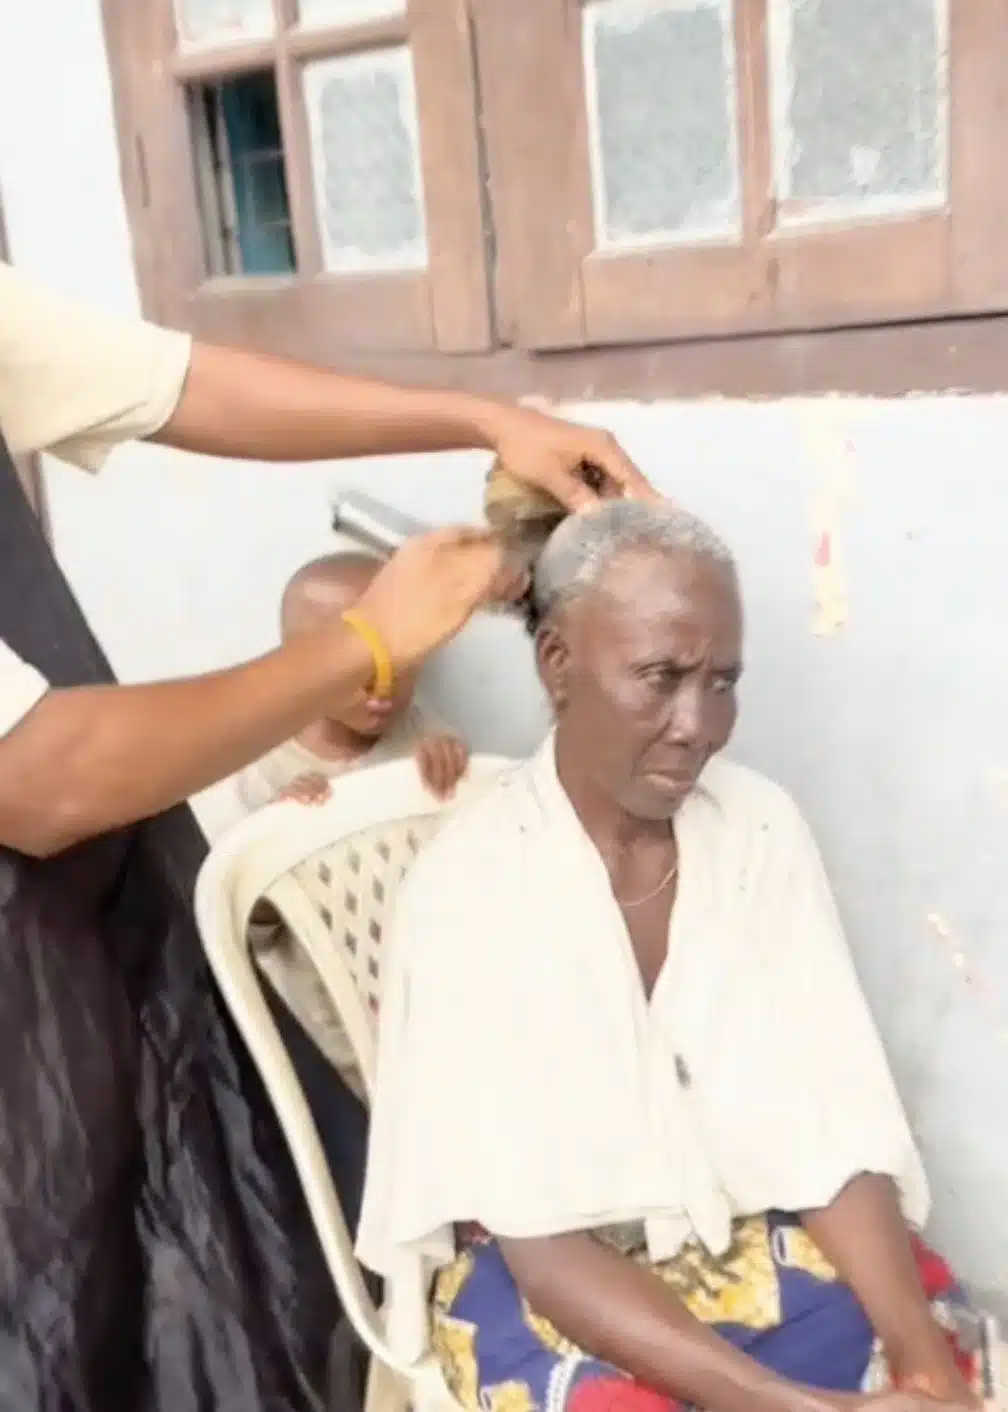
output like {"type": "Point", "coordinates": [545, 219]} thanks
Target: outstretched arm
{"type": "Point", "coordinates": [245, 404]}
{"type": "Point", "coordinates": [77, 382]}
{"type": "Point", "coordinates": [89, 759]}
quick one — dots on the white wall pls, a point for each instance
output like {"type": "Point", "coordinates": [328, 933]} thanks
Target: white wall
{"type": "Point", "coordinates": [891, 730]}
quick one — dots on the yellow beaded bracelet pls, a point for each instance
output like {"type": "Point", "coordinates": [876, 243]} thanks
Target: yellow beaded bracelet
{"type": "Point", "coordinates": [384, 676]}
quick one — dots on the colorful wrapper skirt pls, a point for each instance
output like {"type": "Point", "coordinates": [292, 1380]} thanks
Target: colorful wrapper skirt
{"type": "Point", "coordinates": [773, 1295]}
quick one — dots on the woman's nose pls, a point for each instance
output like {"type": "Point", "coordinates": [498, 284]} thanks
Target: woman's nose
{"type": "Point", "coordinates": [686, 716]}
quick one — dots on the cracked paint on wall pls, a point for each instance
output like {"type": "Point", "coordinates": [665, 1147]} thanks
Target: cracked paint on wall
{"type": "Point", "coordinates": [960, 960]}
{"type": "Point", "coordinates": [831, 455]}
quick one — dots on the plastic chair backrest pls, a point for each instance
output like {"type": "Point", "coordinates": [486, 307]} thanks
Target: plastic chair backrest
{"type": "Point", "coordinates": [319, 866]}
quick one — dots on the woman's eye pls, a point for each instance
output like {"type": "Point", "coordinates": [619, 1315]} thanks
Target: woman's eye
{"type": "Point", "coordinates": [665, 678]}
{"type": "Point", "coordinates": [722, 685]}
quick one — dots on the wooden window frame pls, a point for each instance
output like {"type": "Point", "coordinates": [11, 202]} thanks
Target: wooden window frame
{"type": "Point", "coordinates": [444, 308]}
{"type": "Point", "coordinates": [532, 340]}
{"type": "Point", "coordinates": [563, 292]}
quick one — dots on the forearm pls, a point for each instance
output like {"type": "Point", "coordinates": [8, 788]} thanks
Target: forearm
{"type": "Point", "coordinates": [865, 1237]}
{"type": "Point", "coordinates": [623, 1314]}
{"type": "Point", "coordinates": [243, 404]}
{"type": "Point", "coordinates": [90, 759]}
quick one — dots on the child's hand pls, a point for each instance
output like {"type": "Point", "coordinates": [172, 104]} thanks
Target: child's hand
{"type": "Point", "coordinates": [306, 789]}
{"type": "Point", "coordinates": [442, 760]}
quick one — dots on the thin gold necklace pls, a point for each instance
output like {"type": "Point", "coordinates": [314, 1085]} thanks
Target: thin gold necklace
{"type": "Point", "coordinates": [669, 877]}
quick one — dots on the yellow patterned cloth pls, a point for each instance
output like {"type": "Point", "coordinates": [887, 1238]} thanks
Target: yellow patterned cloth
{"type": "Point", "coordinates": [772, 1294]}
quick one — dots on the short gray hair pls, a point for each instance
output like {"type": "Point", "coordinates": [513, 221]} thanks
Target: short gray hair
{"type": "Point", "coordinates": [582, 549]}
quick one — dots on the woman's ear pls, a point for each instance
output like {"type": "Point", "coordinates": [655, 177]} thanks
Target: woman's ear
{"type": "Point", "coordinates": [553, 661]}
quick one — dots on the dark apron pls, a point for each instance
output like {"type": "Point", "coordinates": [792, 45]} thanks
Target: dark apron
{"type": "Point", "coordinates": [155, 1252]}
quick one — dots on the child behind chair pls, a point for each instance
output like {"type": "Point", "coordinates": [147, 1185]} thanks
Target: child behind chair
{"type": "Point", "coordinates": [363, 732]}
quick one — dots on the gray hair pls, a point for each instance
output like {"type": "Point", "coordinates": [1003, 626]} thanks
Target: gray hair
{"type": "Point", "coordinates": [583, 548]}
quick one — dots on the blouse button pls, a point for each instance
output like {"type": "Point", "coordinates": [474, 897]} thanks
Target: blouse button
{"type": "Point", "coordinates": [682, 1072]}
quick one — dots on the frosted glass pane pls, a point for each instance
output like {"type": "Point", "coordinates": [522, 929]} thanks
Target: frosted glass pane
{"type": "Point", "coordinates": [366, 161]}
{"type": "Point", "coordinates": [662, 120]}
{"type": "Point", "coordinates": [223, 21]}
{"type": "Point", "coordinates": [347, 12]}
{"type": "Point", "coordinates": [860, 105]}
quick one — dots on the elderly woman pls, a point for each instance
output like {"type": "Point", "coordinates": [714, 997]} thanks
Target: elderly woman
{"type": "Point", "coordinates": [631, 1105]}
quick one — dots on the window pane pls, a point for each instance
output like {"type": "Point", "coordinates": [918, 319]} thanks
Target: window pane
{"type": "Point", "coordinates": [366, 161]}
{"type": "Point", "coordinates": [662, 120]}
{"type": "Point", "coordinates": [347, 12]}
{"type": "Point", "coordinates": [860, 105]}
{"type": "Point", "coordinates": [223, 21]}
{"type": "Point", "coordinates": [240, 176]}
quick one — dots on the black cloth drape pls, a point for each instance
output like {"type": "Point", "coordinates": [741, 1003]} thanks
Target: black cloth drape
{"type": "Point", "coordinates": [155, 1252]}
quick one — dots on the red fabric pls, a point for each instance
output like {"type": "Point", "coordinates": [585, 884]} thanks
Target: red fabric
{"type": "Point", "coordinates": [936, 1277]}
{"type": "Point", "coordinates": [616, 1394]}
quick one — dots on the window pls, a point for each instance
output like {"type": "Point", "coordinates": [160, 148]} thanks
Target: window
{"type": "Point", "coordinates": [240, 177]}
{"type": "Point", "coordinates": [510, 178]}
{"type": "Point", "coordinates": [758, 165]}
{"type": "Point", "coordinates": [305, 173]}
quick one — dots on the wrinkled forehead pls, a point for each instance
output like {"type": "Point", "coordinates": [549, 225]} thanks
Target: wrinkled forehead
{"type": "Point", "coordinates": [667, 603]}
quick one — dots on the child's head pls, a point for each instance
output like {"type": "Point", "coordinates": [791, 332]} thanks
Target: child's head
{"type": "Point", "coordinates": [315, 597]}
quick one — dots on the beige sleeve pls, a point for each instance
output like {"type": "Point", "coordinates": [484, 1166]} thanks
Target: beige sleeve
{"type": "Point", "coordinates": [261, 782]}
{"type": "Point", "coordinates": [21, 688]}
{"type": "Point", "coordinates": [76, 382]}
{"type": "Point", "coordinates": [253, 788]}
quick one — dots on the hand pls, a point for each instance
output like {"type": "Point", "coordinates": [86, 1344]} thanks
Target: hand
{"type": "Point", "coordinates": [432, 586]}
{"type": "Point", "coordinates": [442, 760]}
{"type": "Point", "coordinates": [306, 789]}
{"type": "Point", "coordinates": [926, 1365]}
{"type": "Point", "coordinates": [554, 455]}
{"type": "Point", "coordinates": [913, 1402]}
{"type": "Point", "coordinates": [943, 1383]}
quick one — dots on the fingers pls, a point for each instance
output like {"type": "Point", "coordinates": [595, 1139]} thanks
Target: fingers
{"type": "Point", "coordinates": [307, 789]}
{"type": "Point", "coordinates": [458, 761]}
{"type": "Point", "coordinates": [457, 537]}
{"type": "Point", "coordinates": [598, 469]}
{"type": "Point", "coordinates": [443, 761]}
{"type": "Point", "coordinates": [623, 477]}
{"type": "Point", "coordinates": [511, 581]}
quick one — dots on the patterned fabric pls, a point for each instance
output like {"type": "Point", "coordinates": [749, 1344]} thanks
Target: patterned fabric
{"type": "Point", "coordinates": [772, 1295]}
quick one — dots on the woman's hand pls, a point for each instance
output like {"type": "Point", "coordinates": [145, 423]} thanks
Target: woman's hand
{"type": "Point", "coordinates": [553, 455]}
{"type": "Point", "coordinates": [432, 586]}
{"type": "Point", "coordinates": [941, 1381]}
{"type": "Point", "coordinates": [907, 1401]}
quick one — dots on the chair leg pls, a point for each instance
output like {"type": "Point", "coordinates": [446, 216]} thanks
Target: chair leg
{"type": "Point", "coordinates": [387, 1390]}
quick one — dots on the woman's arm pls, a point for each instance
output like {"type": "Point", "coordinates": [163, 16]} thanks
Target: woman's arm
{"type": "Point", "coordinates": [864, 1236]}
{"type": "Point", "coordinates": [243, 404]}
{"type": "Point", "coordinates": [622, 1313]}
{"type": "Point", "coordinates": [90, 759]}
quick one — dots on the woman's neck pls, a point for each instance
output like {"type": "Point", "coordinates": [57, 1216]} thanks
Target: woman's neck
{"type": "Point", "coordinates": [612, 830]}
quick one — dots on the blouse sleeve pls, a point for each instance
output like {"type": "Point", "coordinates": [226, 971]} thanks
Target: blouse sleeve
{"type": "Point", "coordinates": [839, 1073]}
{"type": "Point", "coordinates": [75, 381]}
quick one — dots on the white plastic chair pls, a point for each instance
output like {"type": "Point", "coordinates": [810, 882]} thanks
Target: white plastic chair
{"type": "Point", "coordinates": [331, 873]}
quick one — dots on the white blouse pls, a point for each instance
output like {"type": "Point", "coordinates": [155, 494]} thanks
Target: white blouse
{"type": "Point", "coordinates": [526, 1082]}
